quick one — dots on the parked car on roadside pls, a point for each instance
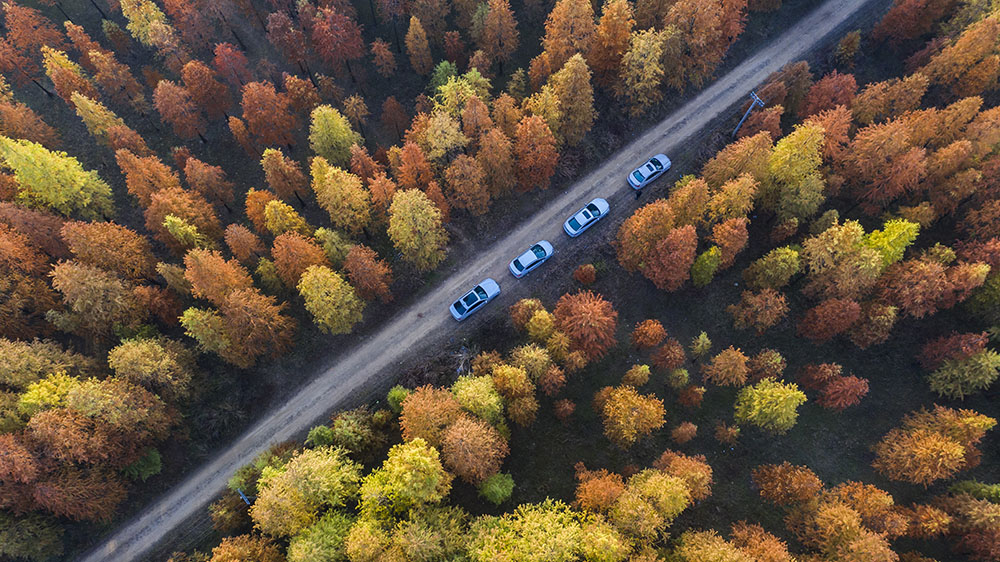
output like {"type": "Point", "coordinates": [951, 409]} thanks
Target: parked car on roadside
{"type": "Point", "coordinates": [532, 258]}
{"type": "Point", "coordinates": [472, 301]}
{"type": "Point", "coordinates": [586, 217]}
{"type": "Point", "coordinates": [652, 169]}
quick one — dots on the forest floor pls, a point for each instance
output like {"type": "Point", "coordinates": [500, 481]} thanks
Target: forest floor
{"type": "Point", "coordinates": [377, 356]}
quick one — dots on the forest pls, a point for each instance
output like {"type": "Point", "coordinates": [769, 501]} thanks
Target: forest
{"type": "Point", "coordinates": [785, 353]}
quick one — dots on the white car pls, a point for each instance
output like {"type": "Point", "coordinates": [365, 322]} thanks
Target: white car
{"type": "Point", "coordinates": [534, 257]}
{"type": "Point", "coordinates": [652, 169]}
{"type": "Point", "coordinates": [472, 301]}
{"type": "Point", "coordinates": [586, 217]}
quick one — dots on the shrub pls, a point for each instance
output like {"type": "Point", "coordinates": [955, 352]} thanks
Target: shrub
{"type": "Point", "coordinates": [637, 376]}
{"type": "Point", "coordinates": [705, 265]}
{"type": "Point", "coordinates": [691, 396]}
{"type": "Point", "coordinates": [770, 405]}
{"type": "Point", "coordinates": [396, 396]}
{"type": "Point", "coordinates": [648, 333]}
{"type": "Point", "coordinates": [563, 409]}
{"type": "Point", "coordinates": [758, 310]}
{"type": "Point", "coordinates": [684, 432]}
{"type": "Point", "coordinates": [320, 436]}
{"type": "Point", "coordinates": [726, 434]}
{"type": "Point", "coordinates": [585, 274]}
{"type": "Point", "coordinates": [766, 364]}
{"type": "Point", "coordinates": [700, 345]}
{"type": "Point", "coordinates": [497, 488]}
{"type": "Point", "coordinates": [670, 355]}
{"type": "Point", "coordinates": [774, 270]}
{"type": "Point", "coordinates": [728, 368]}
{"type": "Point", "coordinates": [678, 378]}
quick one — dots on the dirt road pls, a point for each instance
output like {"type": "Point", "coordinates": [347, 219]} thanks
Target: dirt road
{"type": "Point", "coordinates": [427, 321]}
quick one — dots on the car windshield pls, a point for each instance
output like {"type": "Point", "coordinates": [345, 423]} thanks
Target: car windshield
{"type": "Point", "coordinates": [638, 176]}
{"type": "Point", "coordinates": [470, 299]}
{"type": "Point", "coordinates": [517, 265]}
{"type": "Point", "coordinates": [481, 292]}
{"type": "Point", "coordinates": [656, 163]}
{"type": "Point", "coordinates": [574, 224]}
{"type": "Point", "coordinates": [594, 210]}
{"type": "Point", "coordinates": [458, 307]}
{"type": "Point", "coordinates": [538, 250]}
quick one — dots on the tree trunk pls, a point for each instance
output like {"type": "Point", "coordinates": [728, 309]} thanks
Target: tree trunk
{"type": "Point", "coordinates": [98, 8]}
{"type": "Point", "coordinates": [63, 12]}
{"type": "Point", "coordinates": [237, 37]}
{"type": "Point", "coordinates": [351, 72]}
{"type": "Point", "coordinates": [39, 84]}
{"type": "Point", "coordinates": [309, 72]}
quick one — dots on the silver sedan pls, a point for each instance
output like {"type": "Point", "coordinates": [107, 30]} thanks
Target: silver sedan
{"type": "Point", "coordinates": [586, 217]}
{"type": "Point", "coordinates": [652, 169]}
{"type": "Point", "coordinates": [472, 301]}
{"type": "Point", "coordinates": [529, 260]}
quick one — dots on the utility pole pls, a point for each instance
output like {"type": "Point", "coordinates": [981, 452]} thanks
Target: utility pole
{"type": "Point", "coordinates": [756, 101]}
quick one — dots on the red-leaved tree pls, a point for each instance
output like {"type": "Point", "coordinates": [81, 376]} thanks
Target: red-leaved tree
{"type": "Point", "coordinates": [829, 318]}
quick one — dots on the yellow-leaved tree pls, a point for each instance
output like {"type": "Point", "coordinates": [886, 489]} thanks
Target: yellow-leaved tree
{"type": "Point", "coordinates": [641, 71]}
{"type": "Point", "coordinates": [331, 136]}
{"type": "Point", "coordinates": [55, 180]}
{"type": "Point", "coordinates": [576, 99]}
{"type": "Point", "coordinates": [415, 229]}
{"type": "Point", "coordinates": [331, 300]}
{"type": "Point", "coordinates": [341, 194]}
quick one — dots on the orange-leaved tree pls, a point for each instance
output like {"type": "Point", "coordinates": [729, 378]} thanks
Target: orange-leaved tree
{"type": "Point", "coordinates": [370, 275]}
{"type": "Point", "coordinates": [211, 95]}
{"type": "Point", "coordinates": [611, 41]}
{"type": "Point", "coordinates": [760, 310]}
{"type": "Point", "coordinates": [786, 484]}
{"type": "Point", "coordinates": [283, 174]}
{"type": "Point", "coordinates": [267, 114]}
{"type": "Point", "coordinates": [111, 247]}
{"type": "Point", "coordinates": [668, 266]}
{"type": "Point", "coordinates": [931, 445]}
{"type": "Point", "coordinates": [648, 333]}
{"type": "Point", "coordinates": [629, 416]}
{"type": "Point", "coordinates": [729, 368]}
{"type": "Point", "coordinates": [427, 413]}
{"type": "Point", "coordinates": [537, 157]}
{"type": "Point", "coordinates": [464, 177]}
{"type": "Point", "coordinates": [569, 29]}
{"type": "Point", "coordinates": [293, 254]}
{"type": "Point", "coordinates": [829, 318]}
{"type": "Point", "coordinates": [212, 277]}
{"type": "Point", "coordinates": [588, 320]}
{"type": "Point", "coordinates": [176, 107]}
{"type": "Point", "coordinates": [472, 449]}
